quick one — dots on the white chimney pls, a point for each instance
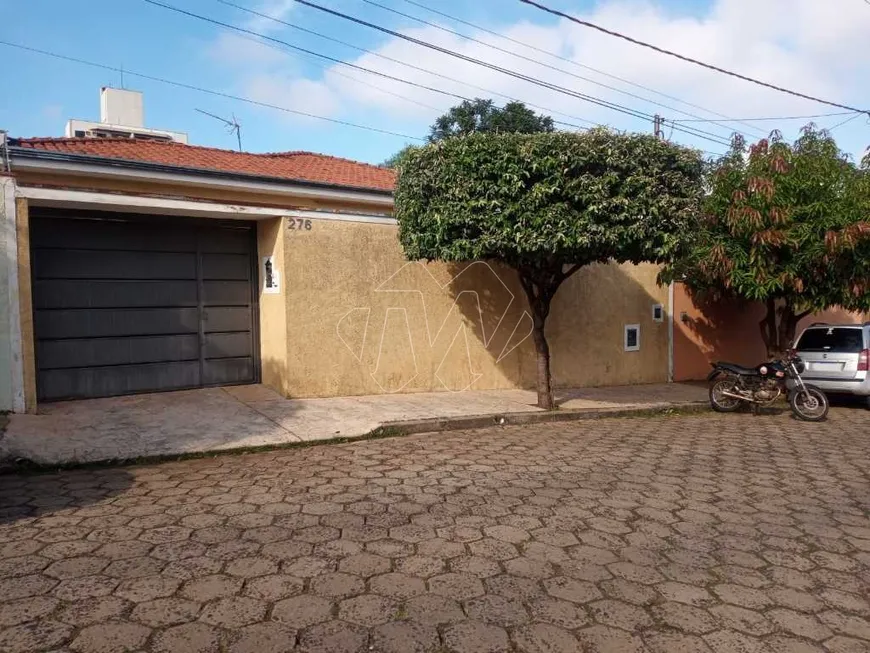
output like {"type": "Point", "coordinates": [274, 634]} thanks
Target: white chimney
{"type": "Point", "coordinates": [121, 107]}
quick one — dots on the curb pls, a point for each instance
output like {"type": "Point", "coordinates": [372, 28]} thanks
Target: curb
{"type": "Point", "coordinates": [391, 429]}
{"type": "Point", "coordinates": [465, 422]}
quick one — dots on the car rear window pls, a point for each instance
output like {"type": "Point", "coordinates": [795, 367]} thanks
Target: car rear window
{"type": "Point", "coordinates": [834, 339]}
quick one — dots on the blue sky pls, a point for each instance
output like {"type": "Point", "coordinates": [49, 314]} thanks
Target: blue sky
{"type": "Point", "coordinates": [795, 42]}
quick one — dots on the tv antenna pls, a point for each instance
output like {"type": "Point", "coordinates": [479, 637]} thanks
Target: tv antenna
{"type": "Point", "coordinates": [233, 125]}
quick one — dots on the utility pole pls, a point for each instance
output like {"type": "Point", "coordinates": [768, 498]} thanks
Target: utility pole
{"type": "Point", "coordinates": [658, 123]}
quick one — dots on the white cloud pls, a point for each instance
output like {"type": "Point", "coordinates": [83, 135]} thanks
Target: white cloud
{"type": "Point", "coordinates": [801, 44]}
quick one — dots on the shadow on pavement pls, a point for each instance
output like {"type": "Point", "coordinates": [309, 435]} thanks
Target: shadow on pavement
{"type": "Point", "coordinates": [27, 495]}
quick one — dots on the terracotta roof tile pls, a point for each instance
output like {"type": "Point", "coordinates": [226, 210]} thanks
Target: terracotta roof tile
{"type": "Point", "coordinates": [296, 166]}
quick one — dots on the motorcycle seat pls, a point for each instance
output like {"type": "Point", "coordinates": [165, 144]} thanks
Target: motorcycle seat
{"type": "Point", "coordinates": [736, 369]}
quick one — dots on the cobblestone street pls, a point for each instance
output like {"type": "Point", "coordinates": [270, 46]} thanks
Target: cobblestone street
{"type": "Point", "coordinates": [664, 534]}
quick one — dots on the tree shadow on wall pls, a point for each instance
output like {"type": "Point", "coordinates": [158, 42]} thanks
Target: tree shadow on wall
{"type": "Point", "coordinates": [585, 329]}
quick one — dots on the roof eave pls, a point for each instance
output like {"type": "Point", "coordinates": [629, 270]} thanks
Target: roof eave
{"type": "Point", "coordinates": [18, 152]}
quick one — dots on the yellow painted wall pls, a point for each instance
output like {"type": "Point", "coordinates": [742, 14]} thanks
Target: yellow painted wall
{"type": "Point", "coordinates": [273, 307]}
{"type": "Point", "coordinates": [363, 320]}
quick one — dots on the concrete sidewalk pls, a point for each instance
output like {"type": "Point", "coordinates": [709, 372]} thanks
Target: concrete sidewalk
{"type": "Point", "coordinates": [248, 416]}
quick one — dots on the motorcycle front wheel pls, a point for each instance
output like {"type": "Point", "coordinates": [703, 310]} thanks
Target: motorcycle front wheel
{"type": "Point", "coordinates": [721, 402]}
{"type": "Point", "coordinates": [809, 404]}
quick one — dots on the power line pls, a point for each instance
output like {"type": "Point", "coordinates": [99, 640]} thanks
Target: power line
{"type": "Point", "coordinates": [578, 64]}
{"type": "Point", "coordinates": [752, 80]}
{"type": "Point", "coordinates": [818, 115]}
{"type": "Point", "coordinates": [533, 80]}
{"type": "Point", "coordinates": [840, 124]}
{"type": "Point", "coordinates": [200, 89]}
{"type": "Point", "coordinates": [297, 48]}
{"type": "Point", "coordinates": [360, 49]}
{"type": "Point", "coordinates": [535, 61]}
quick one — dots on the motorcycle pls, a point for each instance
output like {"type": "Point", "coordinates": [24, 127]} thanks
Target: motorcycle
{"type": "Point", "coordinates": [734, 385]}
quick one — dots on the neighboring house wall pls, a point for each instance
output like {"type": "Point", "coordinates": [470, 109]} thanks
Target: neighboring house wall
{"type": "Point", "coordinates": [726, 330]}
{"type": "Point", "coordinates": [11, 395]}
{"type": "Point", "coordinates": [361, 319]}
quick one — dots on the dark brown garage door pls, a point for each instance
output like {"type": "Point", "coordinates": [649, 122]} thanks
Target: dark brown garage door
{"type": "Point", "coordinates": [125, 305]}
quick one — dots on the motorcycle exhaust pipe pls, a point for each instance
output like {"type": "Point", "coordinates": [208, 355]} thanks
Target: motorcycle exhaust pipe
{"type": "Point", "coordinates": [741, 397]}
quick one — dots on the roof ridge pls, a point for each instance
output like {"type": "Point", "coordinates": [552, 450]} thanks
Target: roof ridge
{"type": "Point", "coordinates": [149, 142]}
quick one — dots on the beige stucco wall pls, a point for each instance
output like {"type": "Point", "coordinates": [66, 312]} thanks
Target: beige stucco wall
{"type": "Point", "coordinates": [360, 319]}
{"type": "Point", "coordinates": [273, 307]}
{"type": "Point", "coordinates": [7, 239]}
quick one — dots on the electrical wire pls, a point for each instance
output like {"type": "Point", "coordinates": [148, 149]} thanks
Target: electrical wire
{"type": "Point", "coordinates": [818, 115]}
{"type": "Point", "coordinates": [716, 138]}
{"type": "Point", "coordinates": [578, 64]}
{"type": "Point", "coordinates": [840, 124]}
{"type": "Point", "coordinates": [200, 89]}
{"type": "Point", "coordinates": [373, 53]}
{"type": "Point", "coordinates": [540, 63]}
{"type": "Point", "coordinates": [670, 53]}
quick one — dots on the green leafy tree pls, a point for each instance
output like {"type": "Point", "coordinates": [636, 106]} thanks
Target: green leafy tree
{"type": "Point", "coordinates": [482, 115]}
{"type": "Point", "coordinates": [786, 225]}
{"type": "Point", "coordinates": [396, 159]}
{"type": "Point", "coordinates": [546, 205]}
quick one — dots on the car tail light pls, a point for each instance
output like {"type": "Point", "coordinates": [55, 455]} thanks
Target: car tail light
{"type": "Point", "coordinates": [864, 361]}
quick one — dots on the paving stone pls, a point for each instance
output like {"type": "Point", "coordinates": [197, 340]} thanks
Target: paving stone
{"type": "Point", "coordinates": [191, 638]}
{"type": "Point", "coordinates": [675, 643]}
{"type": "Point", "coordinates": [684, 617]}
{"type": "Point", "coordinates": [784, 644]}
{"type": "Point", "coordinates": [746, 621]}
{"type": "Point", "coordinates": [165, 612]}
{"type": "Point", "coordinates": [367, 610]}
{"type": "Point", "coordinates": [337, 585]}
{"type": "Point", "coordinates": [732, 641]}
{"type": "Point", "coordinates": [841, 644]}
{"type": "Point", "coordinates": [233, 611]}
{"type": "Point", "coordinates": [459, 587]}
{"type": "Point", "coordinates": [476, 637]}
{"type": "Point", "coordinates": [134, 567]}
{"type": "Point", "coordinates": [307, 567]}
{"type": "Point", "coordinates": [34, 636]}
{"type": "Point", "coordinates": [147, 588]}
{"type": "Point", "coordinates": [302, 611]}
{"type": "Point", "coordinates": [18, 611]}
{"type": "Point", "coordinates": [333, 637]}
{"type": "Point", "coordinates": [432, 610]}
{"type": "Point", "coordinates": [397, 586]}
{"type": "Point", "coordinates": [572, 590]}
{"type": "Point", "coordinates": [123, 550]}
{"type": "Point", "coordinates": [88, 611]}
{"type": "Point", "coordinates": [514, 587]}
{"type": "Point", "coordinates": [497, 610]}
{"type": "Point", "coordinates": [683, 593]}
{"type": "Point", "coordinates": [111, 637]}
{"type": "Point", "coordinates": [618, 614]}
{"type": "Point", "coordinates": [273, 587]}
{"type": "Point", "coordinates": [405, 637]}
{"type": "Point", "coordinates": [207, 588]}
{"type": "Point", "coordinates": [80, 588]}
{"type": "Point", "coordinates": [544, 638]}
{"type": "Point", "coordinates": [604, 639]}
{"type": "Point", "coordinates": [251, 567]}
{"type": "Point", "coordinates": [267, 637]}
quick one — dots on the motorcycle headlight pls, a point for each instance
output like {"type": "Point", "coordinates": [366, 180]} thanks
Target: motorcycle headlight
{"type": "Point", "coordinates": [800, 366]}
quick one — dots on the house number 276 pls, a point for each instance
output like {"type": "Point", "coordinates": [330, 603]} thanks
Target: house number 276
{"type": "Point", "coordinates": [299, 223]}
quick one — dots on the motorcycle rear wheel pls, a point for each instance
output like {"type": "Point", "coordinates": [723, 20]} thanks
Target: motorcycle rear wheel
{"type": "Point", "coordinates": [722, 403]}
{"type": "Point", "coordinates": [809, 404]}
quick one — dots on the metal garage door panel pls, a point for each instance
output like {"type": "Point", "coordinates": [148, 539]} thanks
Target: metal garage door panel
{"type": "Point", "coordinates": [118, 380]}
{"type": "Point", "coordinates": [63, 233]}
{"type": "Point", "coordinates": [107, 293]}
{"type": "Point", "coordinates": [97, 352]}
{"type": "Point", "coordinates": [228, 371]}
{"type": "Point", "coordinates": [92, 264]}
{"type": "Point", "coordinates": [226, 293]}
{"type": "Point", "coordinates": [141, 305]}
{"type": "Point", "coordinates": [84, 323]}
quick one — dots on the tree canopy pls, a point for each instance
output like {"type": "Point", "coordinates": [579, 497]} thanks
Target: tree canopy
{"type": "Point", "coordinates": [784, 224]}
{"type": "Point", "coordinates": [482, 115]}
{"type": "Point", "coordinates": [546, 204]}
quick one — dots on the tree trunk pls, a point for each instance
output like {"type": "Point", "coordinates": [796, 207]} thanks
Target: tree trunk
{"type": "Point", "coordinates": [540, 285]}
{"type": "Point", "coordinates": [779, 326]}
{"type": "Point", "coordinates": [542, 350]}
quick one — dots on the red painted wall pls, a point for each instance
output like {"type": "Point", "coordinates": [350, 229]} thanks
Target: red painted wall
{"type": "Point", "coordinates": [725, 330]}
